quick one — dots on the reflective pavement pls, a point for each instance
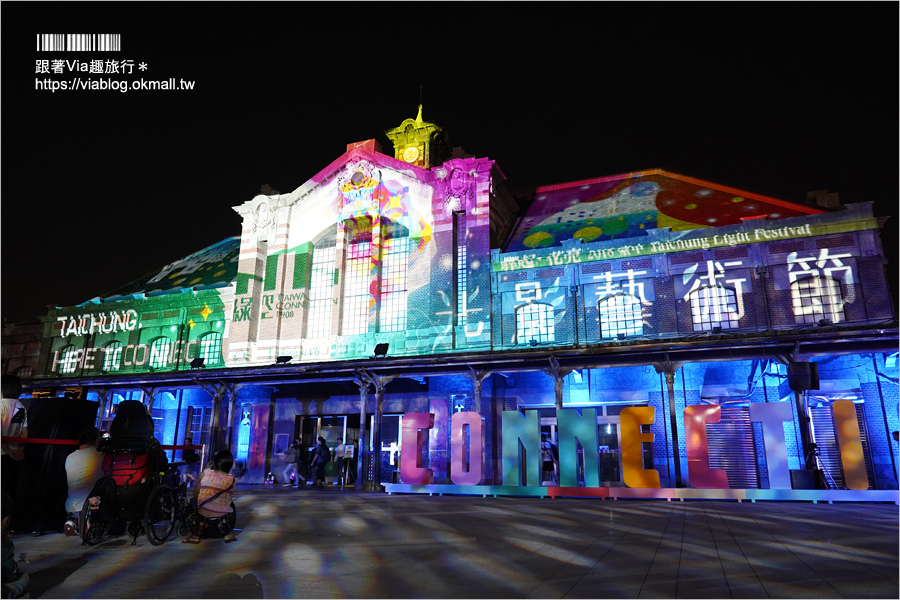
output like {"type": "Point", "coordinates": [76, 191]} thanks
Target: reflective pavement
{"type": "Point", "coordinates": [338, 543]}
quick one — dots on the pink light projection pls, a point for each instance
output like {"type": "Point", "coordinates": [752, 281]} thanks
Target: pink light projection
{"type": "Point", "coordinates": [411, 469]}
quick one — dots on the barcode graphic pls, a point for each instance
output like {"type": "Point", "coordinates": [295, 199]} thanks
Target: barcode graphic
{"type": "Point", "coordinates": [79, 42]}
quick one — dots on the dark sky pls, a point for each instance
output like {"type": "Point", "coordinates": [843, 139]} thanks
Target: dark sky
{"type": "Point", "coordinates": [100, 187]}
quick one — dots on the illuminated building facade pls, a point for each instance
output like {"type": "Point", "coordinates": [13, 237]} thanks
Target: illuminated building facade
{"type": "Point", "coordinates": [648, 302]}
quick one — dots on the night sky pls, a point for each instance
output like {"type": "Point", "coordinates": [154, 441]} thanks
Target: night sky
{"type": "Point", "coordinates": [100, 187]}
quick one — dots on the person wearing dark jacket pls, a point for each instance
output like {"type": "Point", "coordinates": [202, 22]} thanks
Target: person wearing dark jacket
{"type": "Point", "coordinates": [321, 456]}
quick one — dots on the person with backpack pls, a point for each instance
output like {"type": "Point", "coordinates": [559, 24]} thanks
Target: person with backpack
{"type": "Point", "coordinates": [321, 457]}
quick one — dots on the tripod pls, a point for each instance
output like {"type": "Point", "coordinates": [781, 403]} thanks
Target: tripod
{"type": "Point", "coordinates": [828, 483]}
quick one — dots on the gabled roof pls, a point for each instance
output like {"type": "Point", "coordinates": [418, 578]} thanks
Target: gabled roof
{"type": "Point", "coordinates": [621, 206]}
{"type": "Point", "coordinates": [213, 267]}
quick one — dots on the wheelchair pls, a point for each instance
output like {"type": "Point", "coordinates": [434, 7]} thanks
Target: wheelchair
{"type": "Point", "coordinates": [149, 497]}
{"type": "Point", "coordinates": [139, 486]}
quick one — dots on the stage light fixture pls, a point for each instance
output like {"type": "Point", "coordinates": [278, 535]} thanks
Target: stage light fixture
{"type": "Point", "coordinates": [380, 350]}
{"type": "Point", "coordinates": [282, 360]}
{"type": "Point", "coordinates": [197, 363]}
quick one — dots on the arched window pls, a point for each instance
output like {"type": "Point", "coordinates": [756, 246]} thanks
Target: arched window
{"type": "Point", "coordinates": [211, 347]}
{"type": "Point", "coordinates": [25, 372]}
{"type": "Point", "coordinates": [714, 306]}
{"type": "Point", "coordinates": [620, 314]}
{"type": "Point", "coordinates": [534, 324]}
{"type": "Point", "coordinates": [816, 298]}
{"type": "Point", "coordinates": [68, 359]}
{"type": "Point", "coordinates": [321, 289]}
{"type": "Point", "coordinates": [159, 353]}
{"type": "Point", "coordinates": [112, 356]}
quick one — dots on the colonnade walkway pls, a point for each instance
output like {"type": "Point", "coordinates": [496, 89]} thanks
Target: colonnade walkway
{"type": "Point", "coordinates": [338, 543]}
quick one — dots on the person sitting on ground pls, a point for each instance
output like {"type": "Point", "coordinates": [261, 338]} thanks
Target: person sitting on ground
{"type": "Point", "coordinates": [214, 515]}
{"type": "Point", "coordinates": [83, 468]}
{"type": "Point", "coordinates": [14, 576]}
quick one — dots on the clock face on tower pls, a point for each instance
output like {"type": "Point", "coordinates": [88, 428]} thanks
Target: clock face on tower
{"type": "Point", "coordinates": [411, 154]}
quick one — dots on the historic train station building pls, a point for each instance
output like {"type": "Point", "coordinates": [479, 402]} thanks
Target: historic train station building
{"type": "Point", "coordinates": [673, 336]}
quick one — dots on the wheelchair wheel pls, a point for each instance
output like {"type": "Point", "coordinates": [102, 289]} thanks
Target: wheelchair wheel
{"type": "Point", "coordinates": [183, 529]}
{"type": "Point", "coordinates": [159, 519]}
{"type": "Point", "coordinates": [91, 530]}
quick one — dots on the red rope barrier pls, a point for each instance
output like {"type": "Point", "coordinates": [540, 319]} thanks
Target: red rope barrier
{"type": "Point", "coordinates": [75, 443]}
{"type": "Point", "coordinates": [39, 441]}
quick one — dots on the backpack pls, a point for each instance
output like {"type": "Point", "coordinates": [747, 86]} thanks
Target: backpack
{"type": "Point", "coordinates": [326, 454]}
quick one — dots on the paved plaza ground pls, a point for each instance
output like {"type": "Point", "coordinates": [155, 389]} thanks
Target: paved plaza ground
{"type": "Point", "coordinates": [338, 543]}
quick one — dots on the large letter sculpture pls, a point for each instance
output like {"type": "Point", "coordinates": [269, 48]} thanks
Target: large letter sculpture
{"type": "Point", "coordinates": [772, 416]}
{"type": "Point", "coordinates": [846, 428]}
{"type": "Point", "coordinates": [584, 428]}
{"type": "Point", "coordinates": [695, 419]}
{"type": "Point", "coordinates": [633, 472]}
{"type": "Point", "coordinates": [521, 448]}
{"type": "Point", "coordinates": [462, 453]}
{"type": "Point", "coordinates": [411, 470]}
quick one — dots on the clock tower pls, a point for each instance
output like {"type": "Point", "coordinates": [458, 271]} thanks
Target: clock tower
{"type": "Point", "coordinates": [418, 142]}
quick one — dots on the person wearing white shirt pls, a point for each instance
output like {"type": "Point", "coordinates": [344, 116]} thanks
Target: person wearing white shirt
{"type": "Point", "coordinates": [340, 452]}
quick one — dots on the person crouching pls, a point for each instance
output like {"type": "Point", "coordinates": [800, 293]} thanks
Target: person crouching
{"type": "Point", "coordinates": [214, 515]}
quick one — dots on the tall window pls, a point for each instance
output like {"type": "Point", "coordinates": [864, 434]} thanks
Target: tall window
{"type": "Point", "coordinates": [211, 347]}
{"type": "Point", "coordinates": [321, 284]}
{"type": "Point", "coordinates": [392, 304]}
{"type": "Point", "coordinates": [714, 306]}
{"type": "Point", "coordinates": [112, 356]}
{"type": "Point", "coordinates": [815, 298]}
{"type": "Point", "coordinates": [620, 314]}
{"type": "Point", "coordinates": [360, 274]}
{"type": "Point", "coordinates": [534, 324]}
{"type": "Point", "coordinates": [357, 276]}
{"type": "Point", "coordinates": [68, 360]}
{"type": "Point", "coordinates": [461, 268]}
{"type": "Point", "coordinates": [159, 353]}
{"type": "Point", "coordinates": [200, 417]}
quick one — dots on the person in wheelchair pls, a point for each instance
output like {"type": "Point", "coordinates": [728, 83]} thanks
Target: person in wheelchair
{"type": "Point", "coordinates": [214, 516]}
{"type": "Point", "coordinates": [133, 465]}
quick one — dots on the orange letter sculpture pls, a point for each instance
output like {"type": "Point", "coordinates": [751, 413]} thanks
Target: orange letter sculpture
{"type": "Point", "coordinates": [633, 472]}
{"type": "Point", "coordinates": [846, 428]}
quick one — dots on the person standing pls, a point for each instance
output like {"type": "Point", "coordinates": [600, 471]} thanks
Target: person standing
{"type": "Point", "coordinates": [321, 457]}
{"type": "Point", "coordinates": [548, 462]}
{"type": "Point", "coordinates": [15, 424]}
{"type": "Point", "coordinates": [83, 468]}
{"type": "Point", "coordinates": [340, 451]}
{"type": "Point", "coordinates": [291, 463]}
{"type": "Point", "coordinates": [15, 419]}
